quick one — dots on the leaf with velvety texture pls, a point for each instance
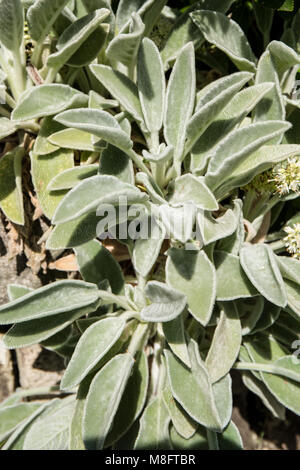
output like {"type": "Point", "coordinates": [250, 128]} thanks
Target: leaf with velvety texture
{"type": "Point", "coordinates": [103, 400]}
{"type": "Point", "coordinates": [226, 343]}
{"type": "Point", "coordinates": [92, 346]}
{"type": "Point", "coordinates": [46, 100]}
{"type": "Point", "coordinates": [166, 305]}
{"type": "Point", "coordinates": [227, 36]}
{"type": "Point", "coordinates": [259, 263]}
{"type": "Point", "coordinates": [192, 273]}
{"type": "Point", "coordinates": [151, 85]}
{"type": "Point", "coordinates": [91, 193]}
{"type": "Point", "coordinates": [55, 298]}
{"type": "Point", "coordinates": [96, 122]}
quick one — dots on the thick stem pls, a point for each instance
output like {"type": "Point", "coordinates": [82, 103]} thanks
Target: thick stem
{"type": "Point", "coordinates": [114, 299]}
{"type": "Point", "coordinates": [10, 101]}
{"type": "Point", "coordinates": [212, 440]}
{"type": "Point", "coordinates": [37, 53]}
{"type": "Point", "coordinates": [139, 338]}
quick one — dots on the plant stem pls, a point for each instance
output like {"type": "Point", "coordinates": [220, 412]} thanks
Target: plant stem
{"type": "Point", "coordinates": [37, 52]}
{"type": "Point", "coordinates": [50, 77]}
{"type": "Point", "coordinates": [137, 159]}
{"type": "Point", "coordinates": [212, 440]}
{"type": "Point", "coordinates": [10, 101]}
{"type": "Point", "coordinates": [114, 299]}
{"type": "Point", "coordinates": [138, 338]}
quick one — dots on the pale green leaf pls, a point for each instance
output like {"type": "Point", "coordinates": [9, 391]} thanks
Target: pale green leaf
{"type": "Point", "coordinates": [13, 415]}
{"type": "Point", "coordinates": [178, 221]}
{"type": "Point", "coordinates": [75, 139]}
{"type": "Point", "coordinates": [212, 229]}
{"type": "Point", "coordinates": [211, 101]}
{"type": "Point", "coordinates": [167, 303]}
{"type": "Point", "coordinates": [148, 10]}
{"type": "Point", "coordinates": [184, 29]}
{"type": "Point", "coordinates": [40, 329]}
{"type": "Point", "coordinates": [154, 427]}
{"type": "Point", "coordinates": [258, 387]}
{"type": "Point", "coordinates": [283, 56]}
{"type": "Point", "coordinates": [236, 110]}
{"type": "Point", "coordinates": [11, 194]}
{"type": "Point", "coordinates": [42, 15]}
{"type": "Point", "coordinates": [68, 179]}
{"type": "Point", "coordinates": [11, 24]}
{"type": "Point", "coordinates": [232, 282]}
{"type": "Point", "coordinates": [174, 333]}
{"type": "Point", "coordinates": [125, 10]}
{"type": "Point", "coordinates": [14, 291]}
{"type": "Point", "coordinates": [227, 36]}
{"type": "Point", "coordinates": [184, 385]}
{"type": "Point", "coordinates": [96, 122]}
{"type": "Point", "coordinates": [226, 343]}
{"type": "Point", "coordinates": [96, 264]}
{"type": "Point", "coordinates": [42, 145]}
{"type": "Point", "coordinates": [124, 47]}
{"type": "Point", "coordinates": [91, 193]}
{"type": "Point", "coordinates": [58, 297]}
{"type": "Point", "coordinates": [74, 36]}
{"type": "Point", "coordinates": [182, 423]}
{"type": "Point", "coordinates": [90, 48]}
{"type": "Point", "coordinates": [133, 399]}
{"type": "Point", "coordinates": [222, 392]}
{"type": "Point", "coordinates": [151, 85]}
{"type": "Point", "coordinates": [103, 399]}
{"type": "Point", "coordinates": [180, 99]}
{"type": "Point", "coordinates": [285, 390]}
{"type": "Point", "coordinates": [95, 342]}
{"type": "Point", "coordinates": [190, 188]}
{"type": "Point", "coordinates": [7, 127]}
{"type": "Point", "coordinates": [237, 146]}
{"type": "Point", "coordinates": [81, 230]}
{"type": "Point", "coordinates": [258, 162]}
{"type": "Point", "coordinates": [146, 250]}
{"type": "Point", "coordinates": [289, 268]}
{"type": "Point", "coordinates": [269, 316]}
{"type": "Point", "coordinates": [121, 88]}
{"type": "Point", "coordinates": [259, 263]}
{"type": "Point", "coordinates": [250, 311]}
{"type": "Point", "coordinates": [192, 273]}
{"type": "Point", "coordinates": [293, 296]}
{"type": "Point", "coordinates": [46, 100]}
{"type": "Point", "coordinates": [17, 438]}
{"type": "Point", "coordinates": [271, 107]}
{"type": "Point", "coordinates": [50, 431]}
{"type": "Point", "coordinates": [43, 169]}
{"type": "Point", "coordinates": [116, 163]}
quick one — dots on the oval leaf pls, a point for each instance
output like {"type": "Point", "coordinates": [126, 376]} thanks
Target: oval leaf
{"type": "Point", "coordinates": [59, 297]}
{"type": "Point", "coordinates": [103, 400]}
{"type": "Point", "coordinates": [95, 342]}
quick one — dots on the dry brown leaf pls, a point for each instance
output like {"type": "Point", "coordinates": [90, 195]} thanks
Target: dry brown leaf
{"type": "Point", "coordinates": [67, 263]}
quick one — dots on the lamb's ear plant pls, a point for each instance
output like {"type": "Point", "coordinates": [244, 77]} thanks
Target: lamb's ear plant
{"type": "Point", "coordinates": [190, 184]}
